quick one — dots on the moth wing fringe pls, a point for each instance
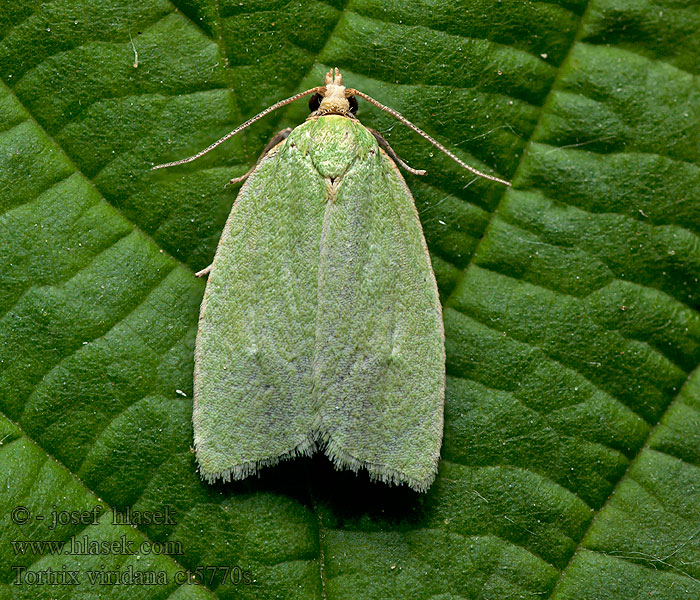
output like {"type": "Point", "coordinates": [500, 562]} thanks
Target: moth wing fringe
{"type": "Point", "coordinates": [343, 460]}
{"type": "Point", "coordinates": [306, 447]}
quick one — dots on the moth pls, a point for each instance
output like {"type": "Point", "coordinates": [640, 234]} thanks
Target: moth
{"type": "Point", "coordinates": [321, 325]}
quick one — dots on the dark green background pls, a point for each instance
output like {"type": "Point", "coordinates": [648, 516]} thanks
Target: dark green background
{"type": "Point", "coordinates": [571, 461]}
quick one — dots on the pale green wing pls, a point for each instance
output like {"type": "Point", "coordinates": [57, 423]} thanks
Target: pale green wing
{"type": "Point", "coordinates": [379, 368]}
{"type": "Point", "coordinates": [253, 376]}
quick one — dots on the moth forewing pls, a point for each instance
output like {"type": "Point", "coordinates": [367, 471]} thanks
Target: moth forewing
{"type": "Point", "coordinates": [380, 363]}
{"type": "Point", "coordinates": [257, 324]}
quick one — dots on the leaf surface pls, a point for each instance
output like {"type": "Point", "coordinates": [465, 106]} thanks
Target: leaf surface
{"type": "Point", "coordinates": [571, 460]}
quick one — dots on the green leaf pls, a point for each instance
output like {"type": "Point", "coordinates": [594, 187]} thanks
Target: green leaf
{"type": "Point", "coordinates": [571, 460]}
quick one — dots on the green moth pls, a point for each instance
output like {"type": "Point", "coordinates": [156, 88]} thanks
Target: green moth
{"type": "Point", "coordinates": [321, 325]}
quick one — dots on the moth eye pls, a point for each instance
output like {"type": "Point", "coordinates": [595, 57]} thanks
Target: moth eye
{"type": "Point", "coordinates": [353, 104]}
{"type": "Point", "coordinates": [315, 102]}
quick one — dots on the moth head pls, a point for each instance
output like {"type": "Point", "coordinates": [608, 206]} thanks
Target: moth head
{"type": "Point", "coordinates": [333, 98]}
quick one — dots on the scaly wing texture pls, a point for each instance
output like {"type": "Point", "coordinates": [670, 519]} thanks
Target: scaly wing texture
{"type": "Point", "coordinates": [379, 369]}
{"type": "Point", "coordinates": [255, 342]}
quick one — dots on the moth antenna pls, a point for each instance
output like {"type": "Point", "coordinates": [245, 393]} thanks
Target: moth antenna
{"type": "Point", "coordinates": [422, 133]}
{"type": "Point", "coordinates": [240, 128]}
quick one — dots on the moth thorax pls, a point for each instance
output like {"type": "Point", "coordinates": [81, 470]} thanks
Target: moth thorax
{"type": "Point", "coordinates": [334, 101]}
